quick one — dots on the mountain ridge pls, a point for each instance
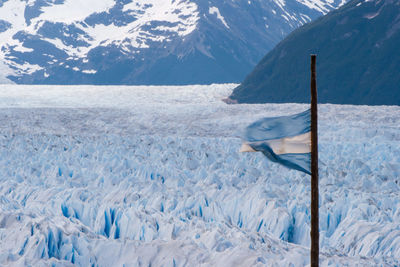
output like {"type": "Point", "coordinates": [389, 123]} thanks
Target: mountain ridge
{"type": "Point", "coordinates": [144, 42]}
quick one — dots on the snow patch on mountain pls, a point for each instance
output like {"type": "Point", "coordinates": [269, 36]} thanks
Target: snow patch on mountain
{"type": "Point", "coordinates": [70, 11]}
{"type": "Point", "coordinates": [215, 11]}
{"type": "Point", "coordinates": [322, 6]}
{"type": "Point", "coordinates": [4, 71]}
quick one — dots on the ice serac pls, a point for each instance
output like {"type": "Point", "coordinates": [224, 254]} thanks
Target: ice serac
{"type": "Point", "coordinates": [357, 59]}
{"type": "Point", "coordinates": [146, 41]}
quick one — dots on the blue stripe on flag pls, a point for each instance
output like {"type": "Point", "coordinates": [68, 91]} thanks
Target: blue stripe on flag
{"type": "Point", "coordinates": [300, 162]}
{"type": "Point", "coordinates": [279, 127]}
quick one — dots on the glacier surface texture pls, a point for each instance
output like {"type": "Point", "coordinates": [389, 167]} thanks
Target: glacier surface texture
{"type": "Point", "coordinates": [152, 176]}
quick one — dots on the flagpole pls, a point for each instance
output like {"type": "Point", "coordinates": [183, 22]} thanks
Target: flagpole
{"type": "Point", "coordinates": [314, 255]}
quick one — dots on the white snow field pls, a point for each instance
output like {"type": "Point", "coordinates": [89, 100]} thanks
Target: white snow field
{"type": "Point", "coordinates": [152, 176]}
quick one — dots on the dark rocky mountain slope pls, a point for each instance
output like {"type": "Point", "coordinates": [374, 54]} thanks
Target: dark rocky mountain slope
{"type": "Point", "coordinates": [358, 59]}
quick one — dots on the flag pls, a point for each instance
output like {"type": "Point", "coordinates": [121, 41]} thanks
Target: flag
{"type": "Point", "coordinates": [285, 140]}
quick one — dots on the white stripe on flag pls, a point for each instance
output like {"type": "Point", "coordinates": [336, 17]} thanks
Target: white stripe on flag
{"type": "Point", "coordinates": [246, 148]}
{"type": "Point", "coordinates": [299, 144]}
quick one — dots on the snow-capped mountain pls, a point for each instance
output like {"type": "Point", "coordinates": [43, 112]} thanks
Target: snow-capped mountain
{"type": "Point", "coordinates": [144, 41]}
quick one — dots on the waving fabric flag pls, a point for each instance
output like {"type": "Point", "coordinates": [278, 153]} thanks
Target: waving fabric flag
{"type": "Point", "coordinates": [285, 140]}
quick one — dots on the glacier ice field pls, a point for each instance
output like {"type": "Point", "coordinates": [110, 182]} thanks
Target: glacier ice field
{"type": "Point", "coordinates": [152, 176]}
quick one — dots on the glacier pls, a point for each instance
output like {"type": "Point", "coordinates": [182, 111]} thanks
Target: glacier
{"type": "Point", "coordinates": [152, 176]}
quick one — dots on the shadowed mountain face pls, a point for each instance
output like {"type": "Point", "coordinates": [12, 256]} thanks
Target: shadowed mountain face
{"type": "Point", "coordinates": [358, 59]}
{"type": "Point", "coordinates": [144, 41]}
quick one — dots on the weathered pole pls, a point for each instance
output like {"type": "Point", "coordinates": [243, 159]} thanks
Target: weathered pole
{"type": "Point", "coordinates": [314, 168]}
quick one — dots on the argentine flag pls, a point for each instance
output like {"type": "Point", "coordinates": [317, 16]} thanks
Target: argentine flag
{"type": "Point", "coordinates": [285, 140]}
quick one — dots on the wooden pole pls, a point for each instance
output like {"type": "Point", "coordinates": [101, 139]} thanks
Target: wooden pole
{"type": "Point", "coordinates": [314, 168]}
